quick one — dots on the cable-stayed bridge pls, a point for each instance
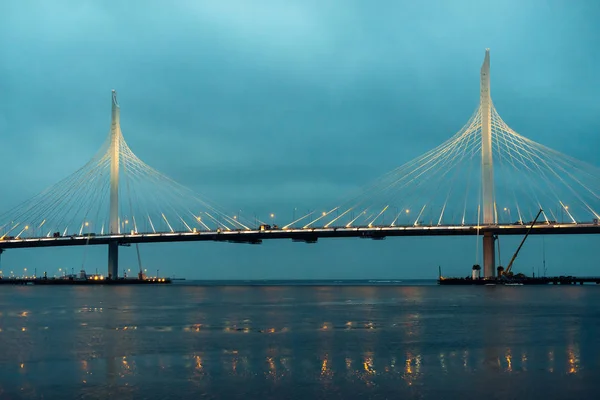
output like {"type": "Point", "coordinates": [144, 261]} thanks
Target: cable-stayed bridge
{"type": "Point", "coordinates": [485, 180]}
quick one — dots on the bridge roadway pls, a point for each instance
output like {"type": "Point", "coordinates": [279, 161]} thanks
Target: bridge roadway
{"type": "Point", "coordinates": [308, 235]}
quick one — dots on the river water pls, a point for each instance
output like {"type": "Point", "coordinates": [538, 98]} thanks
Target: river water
{"type": "Point", "coordinates": [289, 341]}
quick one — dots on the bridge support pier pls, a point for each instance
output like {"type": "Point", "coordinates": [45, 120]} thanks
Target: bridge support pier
{"type": "Point", "coordinates": [113, 260]}
{"type": "Point", "coordinates": [489, 255]}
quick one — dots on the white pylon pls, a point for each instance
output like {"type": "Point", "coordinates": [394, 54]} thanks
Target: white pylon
{"type": "Point", "coordinates": [487, 167]}
{"type": "Point", "coordinates": [115, 140]}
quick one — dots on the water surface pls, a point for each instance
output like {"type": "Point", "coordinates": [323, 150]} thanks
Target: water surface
{"type": "Point", "coordinates": [282, 341]}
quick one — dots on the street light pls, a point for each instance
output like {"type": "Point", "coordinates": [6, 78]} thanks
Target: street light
{"type": "Point", "coordinates": [507, 210]}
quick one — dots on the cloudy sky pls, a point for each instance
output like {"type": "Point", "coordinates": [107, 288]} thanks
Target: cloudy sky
{"type": "Point", "coordinates": [265, 106]}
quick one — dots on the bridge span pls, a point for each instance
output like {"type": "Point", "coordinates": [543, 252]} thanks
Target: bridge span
{"type": "Point", "coordinates": [306, 235]}
{"type": "Point", "coordinates": [485, 180]}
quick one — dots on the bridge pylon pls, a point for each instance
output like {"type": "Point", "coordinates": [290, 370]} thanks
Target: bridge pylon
{"type": "Point", "coordinates": [487, 168]}
{"type": "Point", "coordinates": [114, 151]}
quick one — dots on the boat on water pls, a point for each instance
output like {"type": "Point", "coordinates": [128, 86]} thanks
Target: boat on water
{"type": "Point", "coordinates": [521, 280]}
{"type": "Point", "coordinates": [79, 281]}
{"type": "Point", "coordinates": [83, 279]}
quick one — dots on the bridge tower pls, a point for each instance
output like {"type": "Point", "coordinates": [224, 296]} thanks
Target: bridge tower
{"type": "Point", "coordinates": [115, 141]}
{"type": "Point", "coordinates": [487, 168]}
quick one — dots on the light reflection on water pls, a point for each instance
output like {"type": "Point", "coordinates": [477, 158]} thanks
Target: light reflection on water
{"type": "Point", "coordinates": [349, 341]}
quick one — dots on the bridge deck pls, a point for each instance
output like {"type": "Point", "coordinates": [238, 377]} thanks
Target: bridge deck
{"type": "Point", "coordinates": [309, 235]}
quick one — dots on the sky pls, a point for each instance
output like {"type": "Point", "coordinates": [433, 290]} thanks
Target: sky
{"type": "Point", "coordinates": [267, 106]}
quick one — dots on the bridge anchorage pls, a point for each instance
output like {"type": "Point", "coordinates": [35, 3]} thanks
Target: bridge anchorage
{"type": "Point", "coordinates": [486, 180]}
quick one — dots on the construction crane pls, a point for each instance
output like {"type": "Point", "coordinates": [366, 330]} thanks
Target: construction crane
{"type": "Point", "coordinates": [523, 241]}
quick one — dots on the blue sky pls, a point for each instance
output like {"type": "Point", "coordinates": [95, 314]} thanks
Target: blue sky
{"type": "Point", "coordinates": [267, 106]}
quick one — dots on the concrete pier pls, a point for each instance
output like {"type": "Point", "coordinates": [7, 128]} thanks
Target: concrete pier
{"type": "Point", "coordinates": [489, 255]}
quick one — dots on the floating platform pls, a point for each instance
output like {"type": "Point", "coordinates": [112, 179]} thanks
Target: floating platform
{"type": "Point", "coordinates": [543, 280]}
{"type": "Point", "coordinates": [80, 281]}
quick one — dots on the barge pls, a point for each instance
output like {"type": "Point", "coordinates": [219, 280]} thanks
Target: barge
{"type": "Point", "coordinates": [88, 280]}
{"type": "Point", "coordinates": [507, 278]}
{"type": "Point", "coordinates": [521, 280]}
